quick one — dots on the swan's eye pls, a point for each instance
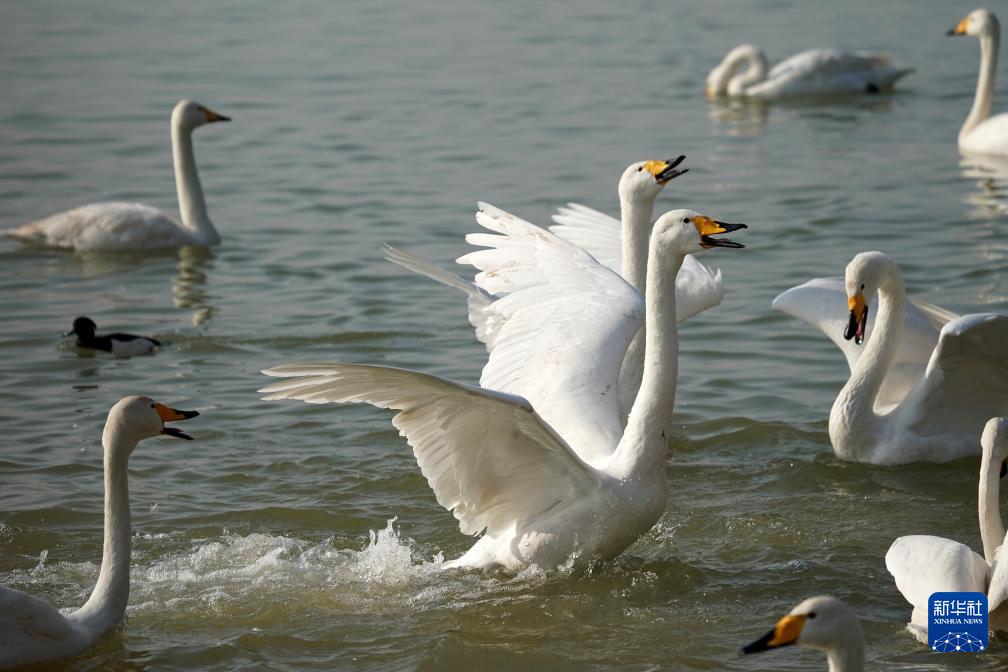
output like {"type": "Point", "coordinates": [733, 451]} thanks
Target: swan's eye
{"type": "Point", "coordinates": [811, 614]}
{"type": "Point", "coordinates": [152, 405]}
{"type": "Point", "coordinates": [862, 286]}
{"type": "Point", "coordinates": [685, 220]}
{"type": "Point", "coordinates": [640, 168]}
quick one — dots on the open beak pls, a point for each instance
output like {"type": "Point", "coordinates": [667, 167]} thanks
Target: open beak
{"type": "Point", "coordinates": [664, 171]}
{"type": "Point", "coordinates": [784, 633]}
{"type": "Point", "coordinates": [709, 227]}
{"type": "Point", "coordinates": [960, 28]}
{"type": "Point", "coordinates": [858, 318]}
{"type": "Point", "coordinates": [171, 415]}
{"type": "Point", "coordinates": [212, 116]}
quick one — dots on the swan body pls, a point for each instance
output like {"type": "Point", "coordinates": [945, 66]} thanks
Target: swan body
{"type": "Point", "coordinates": [492, 457]}
{"type": "Point", "coordinates": [933, 417]}
{"type": "Point", "coordinates": [981, 133]}
{"type": "Point", "coordinates": [823, 623]}
{"type": "Point", "coordinates": [809, 73]}
{"type": "Point", "coordinates": [120, 345]}
{"type": "Point", "coordinates": [31, 629]}
{"type": "Point", "coordinates": [132, 226]}
{"type": "Point", "coordinates": [620, 245]}
{"type": "Point", "coordinates": [923, 564]}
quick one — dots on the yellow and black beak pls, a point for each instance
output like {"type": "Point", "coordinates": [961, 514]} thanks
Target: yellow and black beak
{"type": "Point", "coordinates": [708, 227]}
{"type": "Point", "coordinates": [785, 633]}
{"type": "Point", "coordinates": [664, 171]}
{"type": "Point", "coordinates": [212, 116]}
{"type": "Point", "coordinates": [171, 415]}
{"type": "Point", "coordinates": [960, 28]}
{"type": "Point", "coordinates": [858, 318]}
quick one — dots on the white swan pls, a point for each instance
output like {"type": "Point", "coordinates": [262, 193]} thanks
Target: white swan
{"type": "Point", "coordinates": [923, 564]}
{"type": "Point", "coordinates": [619, 245]}
{"type": "Point", "coordinates": [31, 629]}
{"type": "Point", "coordinates": [132, 226]}
{"type": "Point", "coordinates": [809, 73]}
{"type": "Point", "coordinates": [823, 623]}
{"type": "Point", "coordinates": [492, 458]}
{"type": "Point", "coordinates": [981, 132]}
{"type": "Point", "coordinates": [933, 416]}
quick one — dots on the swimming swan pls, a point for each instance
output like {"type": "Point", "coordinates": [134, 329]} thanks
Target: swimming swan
{"type": "Point", "coordinates": [120, 345]}
{"type": "Point", "coordinates": [981, 132]}
{"type": "Point", "coordinates": [133, 226]}
{"type": "Point", "coordinates": [923, 564]}
{"type": "Point", "coordinates": [491, 457]}
{"type": "Point", "coordinates": [621, 246]}
{"type": "Point", "coordinates": [811, 72]}
{"type": "Point", "coordinates": [31, 629]}
{"type": "Point", "coordinates": [940, 414]}
{"type": "Point", "coordinates": [823, 623]}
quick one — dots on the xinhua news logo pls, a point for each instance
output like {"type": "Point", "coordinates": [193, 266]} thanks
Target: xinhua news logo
{"type": "Point", "coordinates": [957, 622]}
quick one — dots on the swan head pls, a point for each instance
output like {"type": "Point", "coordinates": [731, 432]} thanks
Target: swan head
{"type": "Point", "coordinates": [83, 327]}
{"type": "Point", "coordinates": [645, 179]}
{"type": "Point", "coordinates": [139, 418]}
{"type": "Point", "coordinates": [994, 441]}
{"type": "Point", "coordinates": [821, 622]}
{"type": "Point", "coordinates": [189, 115]}
{"type": "Point", "coordinates": [689, 232]}
{"type": "Point", "coordinates": [978, 23]}
{"type": "Point", "coordinates": [866, 273]}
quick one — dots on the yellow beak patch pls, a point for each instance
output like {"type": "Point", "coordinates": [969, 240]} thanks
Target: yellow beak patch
{"type": "Point", "coordinates": [961, 27]}
{"type": "Point", "coordinates": [655, 167]}
{"type": "Point", "coordinates": [706, 226]}
{"type": "Point", "coordinates": [787, 630]}
{"type": "Point", "coordinates": [168, 414]}
{"type": "Point", "coordinates": [856, 304]}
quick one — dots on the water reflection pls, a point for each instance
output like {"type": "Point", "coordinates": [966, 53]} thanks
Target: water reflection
{"type": "Point", "coordinates": [990, 173]}
{"type": "Point", "coordinates": [189, 284]}
{"type": "Point", "coordinates": [738, 117]}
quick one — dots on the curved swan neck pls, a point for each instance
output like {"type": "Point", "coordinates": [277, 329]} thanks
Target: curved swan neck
{"type": "Point", "coordinates": [641, 451]}
{"type": "Point", "coordinates": [754, 74]}
{"type": "Point", "coordinates": [854, 409]}
{"type": "Point", "coordinates": [992, 529]}
{"type": "Point", "coordinates": [107, 603]}
{"type": "Point", "coordinates": [984, 97]}
{"type": "Point", "coordinates": [192, 207]}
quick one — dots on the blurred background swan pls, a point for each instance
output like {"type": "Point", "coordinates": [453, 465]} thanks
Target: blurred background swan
{"type": "Point", "coordinates": [815, 72]}
{"type": "Point", "coordinates": [131, 226]}
{"type": "Point", "coordinates": [981, 132]}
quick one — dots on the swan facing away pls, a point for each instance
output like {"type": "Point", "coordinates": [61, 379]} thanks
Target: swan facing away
{"type": "Point", "coordinates": [923, 564]}
{"type": "Point", "coordinates": [495, 459]}
{"type": "Point", "coordinates": [134, 226]}
{"type": "Point", "coordinates": [120, 345]}
{"type": "Point", "coordinates": [981, 132]}
{"type": "Point", "coordinates": [809, 73]}
{"type": "Point", "coordinates": [823, 623]}
{"type": "Point", "coordinates": [31, 629]}
{"type": "Point", "coordinates": [916, 393]}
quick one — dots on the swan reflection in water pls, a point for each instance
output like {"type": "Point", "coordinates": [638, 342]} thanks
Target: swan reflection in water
{"type": "Point", "coordinates": [990, 173]}
{"type": "Point", "coordinates": [189, 284]}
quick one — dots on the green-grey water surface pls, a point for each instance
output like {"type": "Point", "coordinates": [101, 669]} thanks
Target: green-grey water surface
{"type": "Point", "coordinates": [291, 537]}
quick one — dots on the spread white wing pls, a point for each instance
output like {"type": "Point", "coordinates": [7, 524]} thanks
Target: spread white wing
{"type": "Point", "coordinates": [966, 381]}
{"type": "Point", "coordinates": [923, 564]}
{"type": "Point", "coordinates": [698, 287]}
{"type": "Point", "coordinates": [488, 456]}
{"type": "Point", "coordinates": [568, 321]}
{"type": "Point", "coordinates": [822, 303]}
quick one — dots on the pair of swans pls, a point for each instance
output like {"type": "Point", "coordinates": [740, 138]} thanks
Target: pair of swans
{"type": "Point", "coordinates": [619, 245]}
{"type": "Point", "coordinates": [824, 623]}
{"type": "Point", "coordinates": [923, 380]}
{"type": "Point", "coordinates": [922, 565]}
{"type": "Point", "coordinates": [556, 480]}
{"type": "Point", "coordinates": [982, 133]}
{"type": "Point", "coordinates": [133, 226]}
{"type": "Point", "coordinates": [809, 73]}
{"type": "Point", "coordinates": [31, 629]}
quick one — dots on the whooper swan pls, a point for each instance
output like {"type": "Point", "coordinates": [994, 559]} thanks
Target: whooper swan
{"type": "Point", "coordinates": [981, 132]}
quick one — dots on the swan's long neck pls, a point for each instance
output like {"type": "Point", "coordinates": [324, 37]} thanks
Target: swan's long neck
{"type": "Point", "coordinates": [853, 414]}
{"type": "Point", "coordinates": [992, 529]}
{"type": "Point", "coordinates": [107, 604]}
{"type": "Point", "coordinates": [849, 655]}
{"type": "Point", "coordinates": [192, 207]}
{"type": "Point", "coordinates": [984, 98]}
{"type": "Point", "coordinates": [635, 213]}
{"type": "Point", "coordinates": [641, 451]}
{"type": "Point", "coordinates": [755, 73]}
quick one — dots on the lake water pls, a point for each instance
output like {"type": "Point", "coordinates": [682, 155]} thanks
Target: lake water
{"type": "Point", "coordinates": [292, 537]}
